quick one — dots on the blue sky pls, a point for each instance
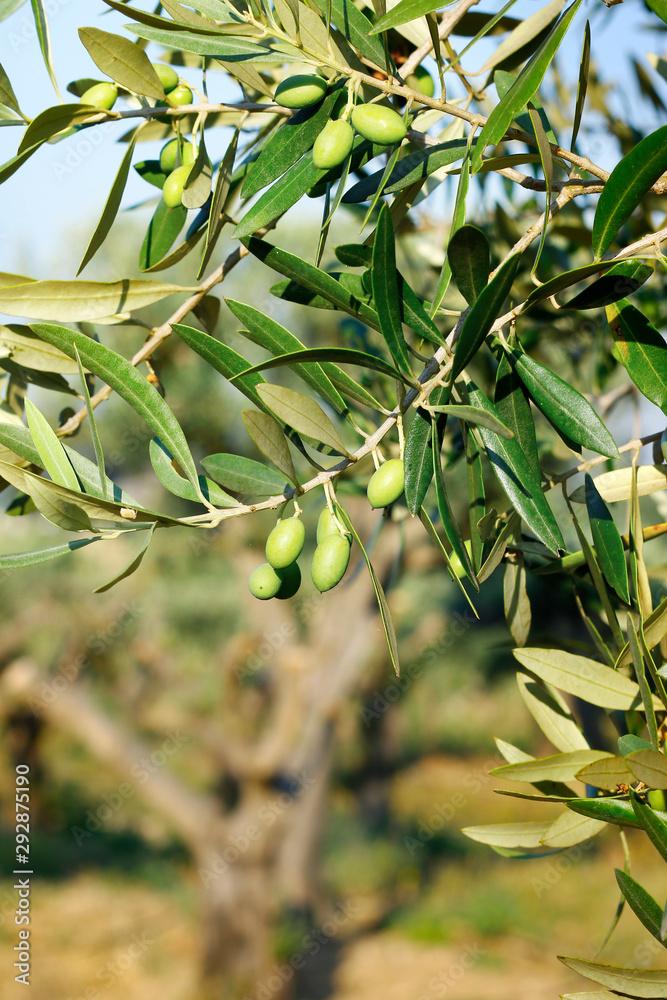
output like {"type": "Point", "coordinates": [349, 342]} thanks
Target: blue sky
{"type": "Point", "coordinates": [48, 208]}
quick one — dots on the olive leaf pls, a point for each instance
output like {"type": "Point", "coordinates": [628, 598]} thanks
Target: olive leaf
{"type": "Point", "coordinates": [123, 61]}
{"type": "Point", "coordinates": [301, 413]}
{"type": "Point", "coordinates": [269, 438]}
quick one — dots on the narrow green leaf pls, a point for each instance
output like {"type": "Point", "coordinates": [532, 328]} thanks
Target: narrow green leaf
{"type": "Point", "coordinates": [607, 541]}
{"type": "Point", "coordinates": [197, 188]}
{"type": "Point", "coordinates": [123, 61]}
{"type": "Point", "coordinates": [42, 26]}
{"type": "Point", "coordinates": [582, 85]}
{"type": "Point", "coordinates": [8, 7]}
{"type": "Point", "coordinates": [418, 457]}
{"type": "Point", "coordinates": [523, 34]}
{"type": "Point", "coordinates": [658, 7]}
{"type": "Point", "coordinates": [483, 313]}
{"type": "Point", "coordinates": [310, 359]}
{"type": "Point", "coordinates": [28, 351]}
{"type": "Point", "coordinates": [94, 432]}
{"type": "Point", "coordinates": [51, 452]}
{"type": "Point", "coordinates": [224, 359]}
{"type": "Point", "coordinates": [216, 218]}
{"type": "Point", "coordinates": [511, 403]}
{"type": "Point", "coordinates": [243, 475]}
{"type": "Point", "coordinates": [230, 50]}
{"type": "Point", "coordinates": [132, 566]}
{"type": "Point", "coordinates": [19, 560]}
{"type": "Point", "coordinates": [515, 599]}
{"type": "Point", "coordinates": [7, 95]}
{"type": "Point", "coordinates": [310, 277]}
{"type": "Point", "coordinates": [409, 169]}
{"type": "Point", "coordinates": [642, 902]}
{"type": "Point", "coordinates": [618, 812]}
{"type": "Point", "coordinates": [547, 169]}
{"type": "Point", "coordinates": [53, 121]}
{"type": "Point", "coordinates": [355, 27]}
{"type": "Point", "coordinates": [568, 830]}
{"type": "Point", "coordinates": [269, 438]}
{"type": "Point", "coordinates": [267, 333]}
{"type": "Point", "coordinates": [469, 256]}
{"type": "Point", "coordinates": [74, 301]}
{"type": "Point", "coordinates": [629, 744]}
{"type": "Point", "coordinates": [629, 181]}
{"type": "Point", "coordinates": [641, 349]}
{"type": "Point", "coordinates": [178, 254]}
{"type": "Point", "coordinates": [633, 982]}
{"type": "Point", "coordinates": [162, 232]}
{"type": "Point", "coordinates": [580, 676]}
{"type": "Point", "coordinates": [565, 408]}
{"type": "Point", "coordinates": [653, 822]}
{"type": "Point", "coordinates": [476, 497]}
{"type": "Point", "coordinates": [385, 290]}
{"type": "Point", "coordinates": [559, 767]}
{"type": "Point", "coordinates": [385, 614]}
{"type": "Point", "coordinates": [617, 485]}
{"type": "Point", "coordinates": [607, 773]}
{"type": "Point", "coordinates": [621, 280]}
{"type": "Point", "coordinates": [552, 714]}
{"type": "Point", "coordinates": [130, 385]}
{"type": "Point", "coordinates": [527, 84]}
{"type": "Point", "coordinates": [519, 479]}
{"type": "Point", "coordinates": [301, 413]}
{"type": "Point", "coordinates": [475, 415]}
{"type": "Point", "coordinates": [282, 194]}
{"type": "Point", "coordinates": [112, 205]}
{"type": "Point", "coordinates": [444, 509]}
{"type": "Point", "coordinates": [407, 10]}
{"type": "Point", "coordinates": [649, 766]}
{"type": "Point", "coordinates": [511, 835]}
{"type": "Point", "coordinates": [435, 537]}
{"type": "Point", "coordinates": [163, 466]}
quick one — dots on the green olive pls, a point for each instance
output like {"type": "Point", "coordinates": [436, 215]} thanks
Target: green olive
{"type": "Point", "coordinates": [387, 483]}
{"type": "Point", "coordinates": [264, 583]}
{"type": "Point", "coordinates": [284, 544]}
{"type": "Point", "coordinates": [657, 799]}
{"type": "Point", "coordinates": [378, 124]}
{"type": "Point", "coordinates": [180, 95]}
{"type": "Point", "coordinates": [172, 192]}
{"type": "Point", "coordinates": [291, 581]}
{"type": "Point", "coordinates": [330, 561]}
{"type": "Point", "coordinates": [333, 145]}
{"type": "Point", "coordinates": [300, 91]}
{"type": "Point", "coordinates": [663, 445]}
{"type": "Point", "coordinates": [101, 95]}
{"type": "Point", "coordinates": [167, 76]}
{"type": "Point", "coordinates": [169, 158]}
{"type": "Point", "coordinates": [326, 525]}
{"type": "Point", "coordinates": [421, 81]}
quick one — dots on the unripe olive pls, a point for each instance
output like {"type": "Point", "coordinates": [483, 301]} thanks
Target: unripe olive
{"type": "Point", "coordinates": [167, 76]}
{"type": "Point", "coordinates": [179, 95]}
{"type": "Point", "coordinates": [264, 583]}
{"type": "Point", "coordinates": [100, 95]}
{"type": "Point", "coordinates": [326, 525]}
{"type": "Point", "coordinates": [172, 192]}
{"type": "Point", "coordinates": [291, 581]}
{"type": "Point", "coordinates": [169, 155]}
{"type": "Point", "coordinates": [300, 91]}
{"type": "Point", "coordinates": [378, 124]}
{"type": "Point", "coordinates": [421, 81]}
{"type": "Point", "coordinates": [330, 560]}
{"type": "Point", "coordinates": [284, 544]}
{"type": "Point", "coordinates": [387, 483]}
{"type": "Point", "coordinates": [333, 145]}
{"type": "Point", "coordinates": [657, 799]}
{"type": "Point", "coordinates": [663, 445]}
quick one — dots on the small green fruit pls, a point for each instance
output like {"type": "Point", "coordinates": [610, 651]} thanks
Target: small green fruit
{"type": "Point", "coordinates": [663, 445]}
{"type": "Point", "coordinates": [264, 583]}
{"type": "Point", "coordinates": [333, 145]}
{"type": "Point", "coordinates": [300, 91]}
{"type": "Point", "coordinates": [167, 76]}
{"type": "Point", "coordinates": [387, 483]}
{"type": "Point", "coordinates": [326, 525]}
{"type": "Point", "coordinates": [378, 124]}
{"type": "Point", "coordinates": [284, 544]}
{"type": "Point", "coordinates": [291, 581]}
{"type": "Point", "coordinates": [330, 562]}
{"type": "Point", "coordinates": [179, 95]}
{"type": "Point", "coordinates": [657, 799]}
{"type": "Point", "coordinates": [101, 95]}
{"type": "Point", "coordinates": [421, 81]}
{"type": "Point", "coordinates": [169, 155]}
{"type": "Point", "coordinates": [172, 192]}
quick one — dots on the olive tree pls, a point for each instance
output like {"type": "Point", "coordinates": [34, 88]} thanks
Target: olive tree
{"type": "Point", "coordinates": [458, 326]}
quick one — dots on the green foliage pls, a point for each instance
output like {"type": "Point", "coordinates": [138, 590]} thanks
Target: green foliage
{"type": "Point", "coordinates": [435, 360]}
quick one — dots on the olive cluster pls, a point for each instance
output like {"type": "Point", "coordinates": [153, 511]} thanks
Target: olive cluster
{"type": "Point", "coordinates": [280, 575]}
{"type": "Point", "coordinates": [177, 156]}
{"type": "Point", "coordinates": [379, 124]}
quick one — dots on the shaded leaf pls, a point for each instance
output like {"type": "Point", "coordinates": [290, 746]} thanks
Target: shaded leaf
{"type": "Point", "coordinates": [132, 566]}
{"type": "Point", "coordinates": [570, 829]}
{"type": "Point", "coordinates": [617, 485]}
{"type": "Point", "coordinates": [508, 834]}
{"type": "Point", "coordinates": [469, 256]}
{"type": "Point", "coordinates": [641, 349]}
{"type": "Point", "coordinates": [162, 462]}
{"type": "Point", "coordinates": [607, 773]}
{"type": "Point", "coordinates": [642, 902]}
{"type": "Point", "coordinates": [649, 766]}
{"type": "Point", "coordinates": [19, 560]}
{"type": "Point", "coordinates": [163, 230]}
{"type": "Point", "coordinates": [444, 508]}
{"type": "Point", "coordinates": [301, 413]}
{"type": "Point", "coordinates": [243, 475]}
{"type": "Point", "coordinates": [621, 280]}
{"type": "Point", "coordinates": [559, 767]}
{"type": "Point", "coordinates": [409, 170]}
{"type": "Point", "coordinates": [482, 315]}
{"type": "Point", "coordinates": [385, 290]}
{"type": "Point", "coordinates": [111, 207]}
{"type": "Point", "coordinates": [607, 541]}
{"type": "Point", "coordinates": [307, 359]}
{"type": "Point", "coordinates": [269, 438]}
{"type": "Point", "coordinates": [635, 982]}
{"type": "Point", "coordinates": [123, 61]}
{"type": "Point", "coordinates": [580, 676]}
{"type": "Point", "coordinates": [74, 301]}
{"type": "Point", "coordinates": [231, 50]}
